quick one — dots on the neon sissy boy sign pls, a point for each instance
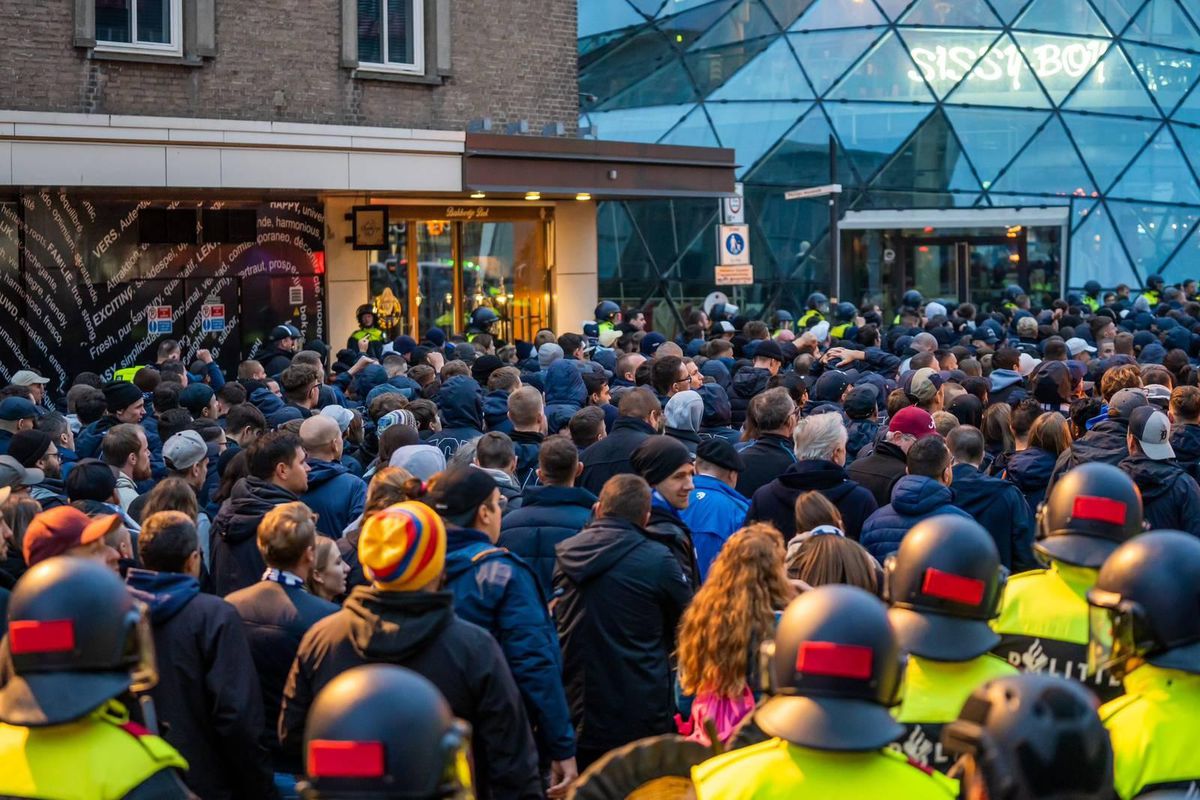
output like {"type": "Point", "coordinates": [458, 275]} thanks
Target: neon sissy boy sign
{"type": "Point", "coordinates": [947, 64]}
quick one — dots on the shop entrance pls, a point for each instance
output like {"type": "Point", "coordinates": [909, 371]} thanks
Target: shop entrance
{"type": "Point", "coordinates": [443, 262]}
{"type": "Point", "coordinates": [955, 255]}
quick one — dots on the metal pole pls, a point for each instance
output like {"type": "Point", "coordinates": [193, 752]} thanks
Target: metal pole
{"type": "Point", "coordinates": [835, 249]}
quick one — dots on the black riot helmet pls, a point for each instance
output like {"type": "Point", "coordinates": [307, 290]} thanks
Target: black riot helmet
{"type": "Point", "coordinates": [833, 669]}
{"type": "Point", "coordinates": [364, 310]}
{"type": "Point", "coordinates": [77, 639]}
{"type": "Point", "coordinates": [1146, 604]}
{"type": "Point", "coordinates": [606, 311]}
{"type": "Point", "coordinates": [912, 299]}
{"type": "Point", "coordinates": [1012, 292]}
{"type": "Point", "coordinates": [1154, 282]}
{"type": "Point", "coordinates": [817, 302]}
{"type": "Point", "coordinates": [944, 584]}
{"type": "Point", "coordinates": [1092, 288]}
{"type": "Point", "coordinates": [845, 312]}
{"type": "Point", "coordinates": [379, 731]}
{"type": "Point", "coordinates": [484, 317]}
{"type": "Point", "coordinates": [1091, 510]}
{"type": "Point", "coordinates": [783, 318]}
{"type": "Point", "coordinates": [1034, 737]}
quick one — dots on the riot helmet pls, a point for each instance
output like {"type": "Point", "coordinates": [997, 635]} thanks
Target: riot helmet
{"type": "Point", "coordinates": [607, 311]}
{"type": "Point", "coordinates": [1012, 292]}
{"type": "Point", "coordinates": [1154, 282]}
{"type": "Point", "coordinates": [1092, 288]}
{"type": "Point", "coordinates": [783, 318]}
{"type": "Point", "coordinates": [484, 317]}
{"type": "Point", "coordinates": [818, 302]}
{"type": "Point", "coordinates": [912, 299]}
{"type": "Point", "coordinates": [845, 312]}
{"type": "Point", "coordinates": [1091, 510]}
{"type": "Point", "coordinates": [364, 310]}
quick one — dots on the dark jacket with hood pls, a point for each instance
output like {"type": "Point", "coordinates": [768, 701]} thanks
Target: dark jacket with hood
{"type": "Point", "coordinates": [1185, 440]}
{"type": "Point", "coordinates": [276, 617]}
{"type": "Point", "coordinates": [1007, 386]}
{"type": "Point", "coordinates": [714, 422]}
{"type": "Point", "coordinates": [274, 360]}
{"type": "Point", "coordinates": [549, 515]}
{"type": "Point", "coordinates": [1030, 471]}
{"type": "Point", "coordinates": [420, 631]}
{"type": "Point", "coordinates": [90, 439]}
{"type": "Point", "coordinates": [748, 382]}
{"type": "Point", "coordinates": [769, 457]}
{"type": "Point", "coordinates": [879, 471]}
{"type": "Point", "coordinates": [495, 411]}
{"type": "Point", "coordinates": [335, 494]}
{"type": "Point", "coordinates": [1105, 443]}
{"type": "Point", "coordinates": [460, 404]}
{"type": "Point", "coordinates": [776, 502]}
{"type": "Point", "coordinates": [622, 596]}
{"type": "Point", "coordinates": [208, 697]}
{"type": "Point", "coordinates": [233, 550]}
{"type": "Point", "coordinates": [565, 394]}
{"type": "Point", "coordinates": [1170, 497]}
{"type": "Point", "coordinates": [859, 434]}
{"type": "Point", "coordinates": [1000, 508]}
{"type": "Point", "coordinates": [667, 527]}
{"type": "Point", "coordinates": [51, 493]}
{"type": "Point", "coordinates": [610, 456]}
{"type": "Point", "coordinates": [497, 591]}
{"type": "Point", "coordinates": [528, 446]}
{"type": "Point", "coordinates": [274, 410]}
{"type": "Point", "coordinates": [914, 498]}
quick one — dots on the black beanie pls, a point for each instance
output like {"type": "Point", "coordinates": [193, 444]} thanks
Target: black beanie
{"type": "Point", "coordinates": [658, 457]}
{"type": "Point", "coordinates": [120, 394]}
{"type": "Point", "coordinates": [28, 446]}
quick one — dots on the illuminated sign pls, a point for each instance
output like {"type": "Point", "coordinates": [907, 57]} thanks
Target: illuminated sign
{"type": "Point", "coordinates": [949, 64]}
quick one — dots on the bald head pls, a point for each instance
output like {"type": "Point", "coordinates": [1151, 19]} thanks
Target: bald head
{"type": "Point", "coordinates": [321, 437]}
{"type": "Point", "coordinates": [924, 342]}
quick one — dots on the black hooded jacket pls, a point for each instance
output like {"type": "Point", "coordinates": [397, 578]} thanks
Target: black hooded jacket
{"type": "Point", "coordinates": [622, 596]}
{"type": "Point", "coordinates": [879, 471]}
{"type": "Point", "coordinates": [1029, 470]}
{"type": "Point", "coordinates": [610, 456]}
{"type": "Point", "coordinates": [419, 630]}
{"type": "Point", "coordinates": [235, 560]}
{"type": "Point", "coordinates": [1185, 440]}
{"type": "Point", "coordinates": [460, 405]}
{"type": "Point", "coordinates": [768, 458]}
{"type": "Point", "coordinates": [776, 502]}
{"type": "Point", "coordinates": [1103, 444]}
{"type": "Point", "coordinates": [1170, 497]}
{"type": "Point", "coordinates": [749, 381]}
{"type": "Point", "coordinates": [1000, 508]}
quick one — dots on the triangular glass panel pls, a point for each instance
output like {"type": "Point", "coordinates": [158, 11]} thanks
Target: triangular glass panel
{"type": "Point", "coordinates": [1001, 78]}
{"type": "Point", "coordinates": [964, 177]}
{"type": "Point", "coordinates": [869, 136]}
{"type": "Point", "coordinates": [1061, 62]}
{"type": "Point", "coordinates": [672, 7]}
{"type": "Point", "coordinates": [606, 16]}
{"type": "Point", "coordinates": [694, 130]}
{"type": "Point", "coordinates": [838, 14]}
{"type": "Point", "coordinates": [671, 83]}
{"type": "Point", "coordinates": [746, 21]}
{"type": "Point", "coordinates": [1096, 252]}
{"type": "Point", "coordinates": [772, 75]}
{"type": "Point", "coordinates": [1189, 109]}
{"type": "Point", "coordinates": [952, 14]}
{"type": "Point", "coordinates": [801, 158]}
{"type": "Point", "coordinates": [1151, 232]}
{"type": "Point", "coordinates": [1183, 264]}
{"type": "Point", "coordinates": [1159, 173]}
{"type": "Point", "coordinates": [787, 11]}
{"type": "Point", "coordinates": [993, 137]}
{"type": "Point", "coordinates": [752, 128]}
{"type": "Point", "coordinates": [825, 55]}
{"type": "Point", "coordinates": [712, 68]}
{"type": "Point", "coordinates": [1189, 137]}
{"type": "Point", "coordinates": [636, 124]}
{"type": "Point", "coordinates": [1117, 13]}
{"type": "Point", "coordinates": [885, 73]}
{"type": "Point", "coordinates": [647, 8]}
{"type": "Point", "coordinates": [684, 28]}
{"type": "Point", "coordinates": [1048, 165]}
{"type": "Point", "coordinates": [1112, 86]}
{"type": "Point", "coordinates": [1108, 144]}
{"type": "Point", "coordinates": [1008, 10]}
{"type": "Point", "coordinates": [1080, 214]}
{"type": "Point", "coordinates": [1062, 16]}
{"type": "Point", "coordinates": [1168, 74]}
{"type": "Point", "coordinates": [926, 162]}
{"type": "Point", "coordinates": [945, 57]}
{"type": "Point", "coordinates": [610, 70]}
{"type": "Point", "coordinates": [1163, 23]}
{"type": "Point", "coordinates": [894, 9]}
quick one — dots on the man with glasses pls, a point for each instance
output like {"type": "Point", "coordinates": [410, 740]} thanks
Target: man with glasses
{"type": "Point", "coordinates": [773, 452]}
{"type": "Point", "coordinates": [669, 376]}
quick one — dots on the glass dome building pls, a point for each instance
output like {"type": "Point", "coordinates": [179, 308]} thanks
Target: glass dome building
{"type": "Point", "coordinates": [979, 143]}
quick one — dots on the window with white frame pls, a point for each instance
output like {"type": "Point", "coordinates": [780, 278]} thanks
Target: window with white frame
{"type": "Point", "coordinates": [391, 35]}
{"type": "Point", "coordinates": [140, 25]}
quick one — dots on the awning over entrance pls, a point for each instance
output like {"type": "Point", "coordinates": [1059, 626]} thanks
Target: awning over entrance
{"type": "Point", "coordinates": [500, 164]}
{"type": "Point", "coordinates": [954, 218]}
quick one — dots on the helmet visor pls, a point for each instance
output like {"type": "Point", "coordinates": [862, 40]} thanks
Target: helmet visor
{"type": "Point", "coordinates": [139, 649]}
{"type": "Point", "coordinates": [1111, 639]}
{"type": "Point", "coordinates": [457, 781]}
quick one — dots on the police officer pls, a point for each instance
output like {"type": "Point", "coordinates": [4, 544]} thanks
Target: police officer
{"type": "Point", "coordinates": [482, 320]}
{"type": "Point", "coordinates": [608, 316]}
{"type": "Point", "coordinates": [1030, 737]}
{"type": "Point", "coordinates": [384, 731]}
{"type": "Point", "coordinates": [1153, 292]}
{"type": "Point", "coordinates": [843, 315]}
{"type": "Point", "coordinates": [367, 329]}
{"type": "Point", "coordinates": [818, 306]}
{"type": "Point", "coordinates": [78, 642]}
{"type": "Point", "coordinates": [1091, 296]}
{"type": "Point", "coordinates": [944, 584]}
{"type": "Point", "coordinates": [1043, 623]}
{"type": "Point", "coordinates": [782, 320]}
{"type": "Point", "coordinates": [1146, 631]}
{"type": "Point", "coordinates": [1011, 293]}
{"type": "Point", "coordinates": [833, 670]}
{"type": "Point", "coordinates": [282, 345]}
{"type": "Point", "coordinates": [912, 300]}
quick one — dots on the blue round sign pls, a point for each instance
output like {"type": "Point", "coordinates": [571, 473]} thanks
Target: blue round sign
{"type": "Point", "coordinates": [735, 244]}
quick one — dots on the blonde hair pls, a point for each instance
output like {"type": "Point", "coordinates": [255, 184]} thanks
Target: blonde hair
{"type": "Point", "coordinates": [389, 486]}
{"type": "Point", "coordinates": [733, 612]}
{"type": "Point", "coordinates": [324, 551]}
{"type": "Point", "coordinates": [1050, 432]}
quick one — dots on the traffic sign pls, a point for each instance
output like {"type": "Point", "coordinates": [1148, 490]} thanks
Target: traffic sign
{"type": "Point", "coordinates": [813, 191]}
{"type": "Point", "coordinates": [733, 244]}
{"type": "Point", "coordinates": [733, 209]}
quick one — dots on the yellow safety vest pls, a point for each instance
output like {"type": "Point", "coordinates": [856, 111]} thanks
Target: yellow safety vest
{"type": "Point", "coordinates": [776, 770]}
{"type": "Point", "coordinates": [126, 374]}
{"type": "Point", "coordinates": [839, 331]}
{"type": "Point", "coordinates": [1092, 303]}
{"type": "Point", "coordinates": [99, 757]}
{"type": "Point", "coordinates": [606, 326]}
{"type": "Point", "coordinates": [1151, 298]}
{"type": "Point", "coordinates": [1043, 625]}
{"type": "Point", "coordinates": [1154, 729]}
{"type": "Point", "coordinates": [934, 693]}
{"type": "Point", "coordinates": [374, 334]}
{"type": "Point", "coordinates": [810, 318]}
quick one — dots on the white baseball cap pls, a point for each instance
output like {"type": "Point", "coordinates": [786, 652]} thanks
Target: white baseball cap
{"type": "Point", "coordinates": [1075, 346]}
{"type": "Point", "coordinates": [27, 377]}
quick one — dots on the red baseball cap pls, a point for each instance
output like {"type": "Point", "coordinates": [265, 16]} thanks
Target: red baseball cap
{"type": "Point", "coordinates": [913, 421]}
{"type": "Point", "coordinates": [54, 532]}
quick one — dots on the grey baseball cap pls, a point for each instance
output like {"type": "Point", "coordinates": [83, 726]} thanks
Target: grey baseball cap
{"type": "Point", "coordinates": [1152, 429]}
{"type": "Point", "coordinates": [184, 450]}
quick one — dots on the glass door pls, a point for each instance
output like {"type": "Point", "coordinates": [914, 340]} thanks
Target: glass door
{"type": "Point", "coordinates": [933, 268]}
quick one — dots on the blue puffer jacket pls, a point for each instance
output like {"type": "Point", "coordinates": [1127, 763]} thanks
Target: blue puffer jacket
{"type": "Point", "coordinates": [499, 592]}
{"type": "Point", "coordinates": [460, 404]}
{"type": "Point", "coordinates": [549, 515]}
{"type": "Point", "coordinates": [715, 511]}
{"type": "Point", "coordinates": [334, 493]}
{"type": "Point", "coordinates": [401, 385]}
{"type": "Point", "coordinates": [565, 394]}
{"type": "Point", "coordinates": [914, 497]}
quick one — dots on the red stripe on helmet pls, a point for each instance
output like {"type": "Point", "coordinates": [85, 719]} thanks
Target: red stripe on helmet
{"type": "Point", "coordinates": [41, 636]}
{"type": "Point", "coordinates": [1099, 509]}
{"type": "Point", "coordinates": [333, 759]}
{"type": "Point", "coordinates": [835, 660]}
{"type": "Point", "coordinates": [948, 586]}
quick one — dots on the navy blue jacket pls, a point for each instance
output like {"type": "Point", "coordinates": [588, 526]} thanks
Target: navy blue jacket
{"type": "Point", "coordinates": [548, 515]}
{"type": "Point", "coordinates": [495, 411]}
{"type": "Point", "coordinates": [528, 446]}
{"type": "Point", "coordinates": [565, 394]}
{"type": "Point", "coordinates": [235, 560]}
{"type": "Point", "coordinates": [749, 381]}
{"type": "Point", "coordinates": [1030, 471]}
{"type": "Point", "coordinates": [337, 495]}
{"type": "Point", "coordinates": [274, 410]}
{"type": "Point", "coordinates": [914, 498]}
{"type": "Point", "coordinates": [766, 459]}
{"type": "Point", "coordinates": [1104, 443]}
{"type": "Point", "coordinates": [498, 591]}
{"type": "Point", "coordinates": [460, 405]}
{"type": "Point", "coordinates": [1170, 496]}
{"type": "Point", "coordinates": [90, 439]}
{"type": "Point", "coordinates": [776, 502]}
{"type": "Point", "coordinates": [715, 512]}
{"type": "Point", "coordinates": [1000, 508]}
{"type": "Point", "coordinates": [610, 456]}
{"type": "Point", "coordinates": [1185, 439]}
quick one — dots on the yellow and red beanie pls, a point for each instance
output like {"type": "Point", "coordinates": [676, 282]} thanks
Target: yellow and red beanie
{"type": "Point", "coordinates": [403, 547]}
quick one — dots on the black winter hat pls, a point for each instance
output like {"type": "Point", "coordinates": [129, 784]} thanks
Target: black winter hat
{"type": "Point", "coordinates": [120, 395]}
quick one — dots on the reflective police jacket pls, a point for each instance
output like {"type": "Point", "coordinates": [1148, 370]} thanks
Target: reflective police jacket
{"type": "Point", "coordinates": [1043, 625]}
{"type": "Point", "coordinates": [776, 770]}
{"type": "Point", "coordinates": [103, 756]}
{"type": "Point", "coordinates": [809, 318]}
{"type": "Point", "coordinates": [934, 693]}
{"type": "Point", "coordinates": [1154, 730]}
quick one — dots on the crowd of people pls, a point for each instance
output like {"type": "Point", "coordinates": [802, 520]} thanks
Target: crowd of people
{"type": "Point", "coordinates": [849, 554]}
